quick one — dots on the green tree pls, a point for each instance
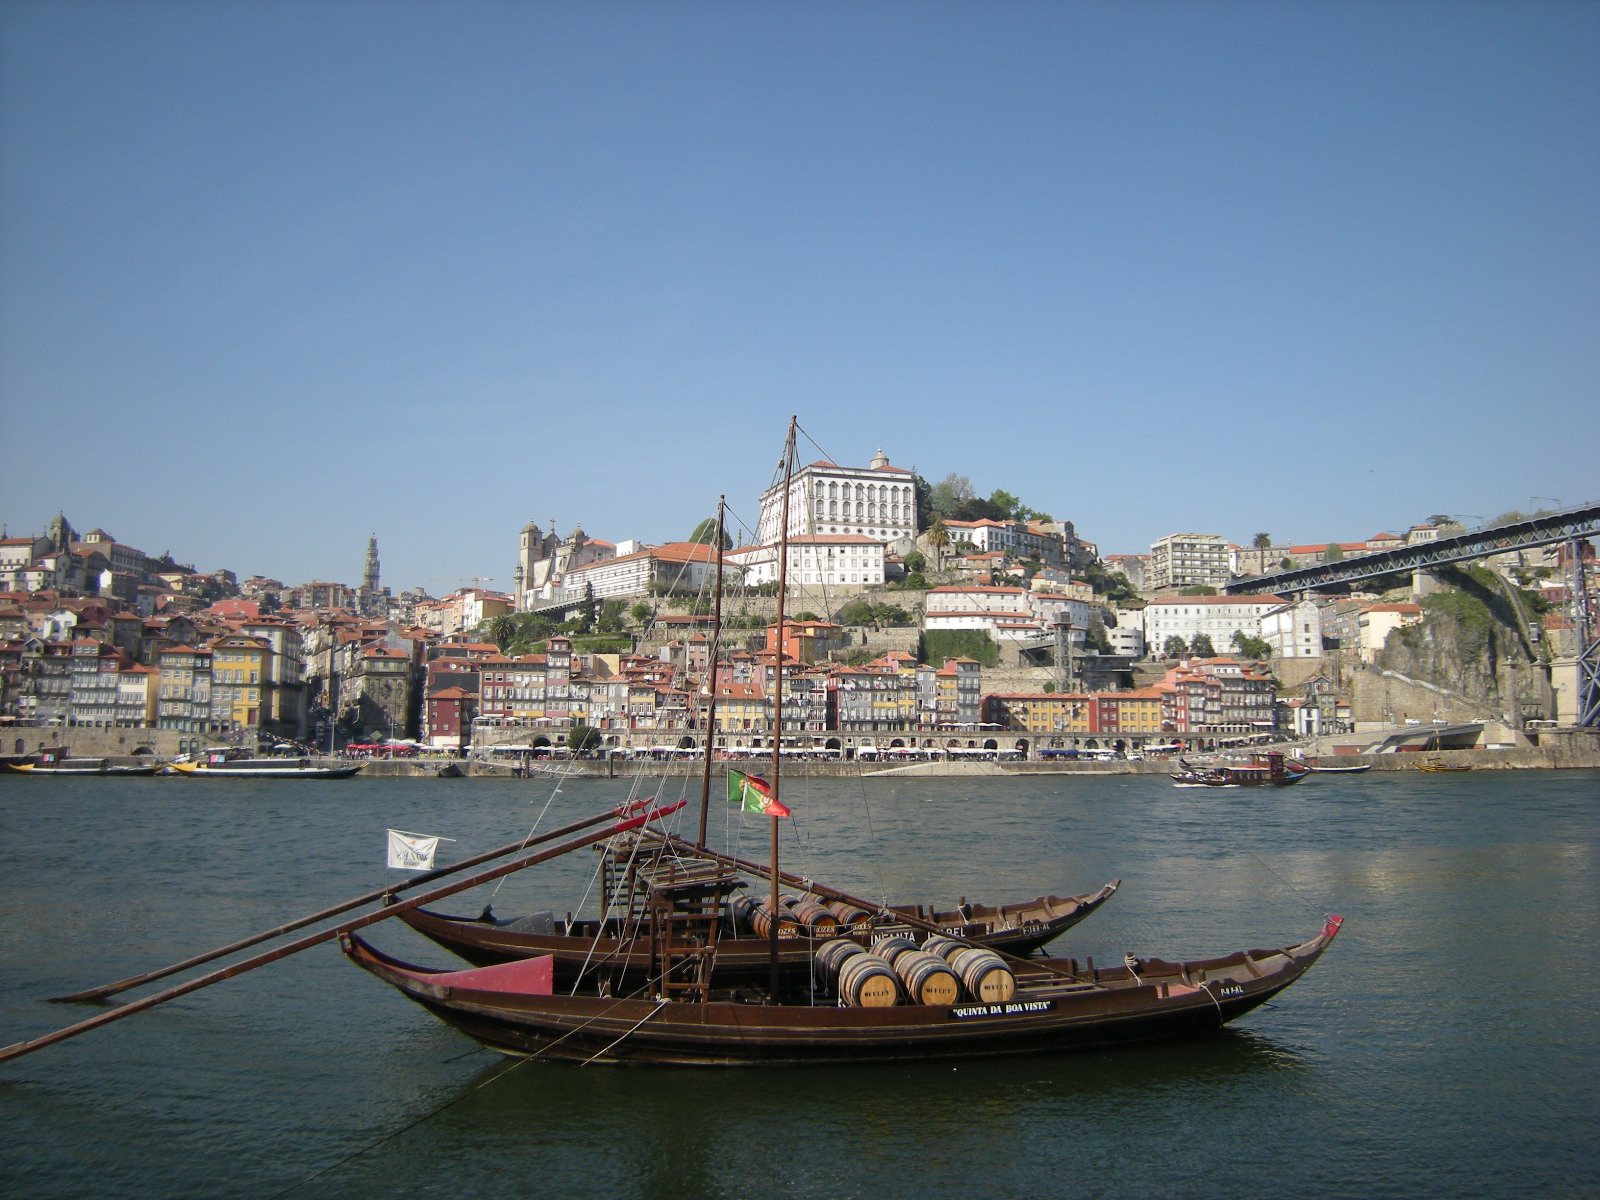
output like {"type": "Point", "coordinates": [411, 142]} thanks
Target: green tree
{"type": "Point", "coordinates": [950, 493]}
{"type": "Point", "coordinates": [916, 582]}
{"type": "Point", "coordinates": [1333, 552]}
{"type": "Point", "coordinates": [1250, 646]}
{"type": "Point", "coordinates": [705, 534]}
{"type": "Point", "coordinates": [1286, 563]}
{"type": "Point", "coordinates": [1262, 541]}
{"type": "Point", "coordinates": [641, 612]}
{"type": "Point", "coordinates": [1004, 502]}
{"type": "Point", "coordinates": [1200, 646]}
{"type": "Point", "coordinates": [582, 737]}
{"type": "Point", "coordinates": [923, 490]}
{"type": "Point", "coordinates": [502, 630]}
{"type": "Point", "coordinates": [857, 612]}
{"type": "Point", "coordinates": [915, 561]}
{"type": "Point", "coordinates": [938, 542]}
{"type": "Point", "coordinates": [1175, 647]}
{"type": "Point", "coordinates": [1198, 589]}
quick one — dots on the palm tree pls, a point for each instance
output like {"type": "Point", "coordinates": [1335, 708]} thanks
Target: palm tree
{"type": "Point", "coordinates": [502, 629]}
{"type": "Point", "coordinates": [1263, 541]}
{"type": "Point", "coordinates": [938, 542]}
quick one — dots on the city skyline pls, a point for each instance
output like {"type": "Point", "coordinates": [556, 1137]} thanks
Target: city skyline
{"type": "Point", "coordinates": [279, 277]}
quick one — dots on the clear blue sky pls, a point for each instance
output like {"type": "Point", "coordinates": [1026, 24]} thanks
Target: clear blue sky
{"type": "Point", "coordinates": [277, 275]}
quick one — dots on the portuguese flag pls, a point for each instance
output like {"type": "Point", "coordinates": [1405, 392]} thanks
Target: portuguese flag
{"type": "Point", "coordinates": [754, 794]}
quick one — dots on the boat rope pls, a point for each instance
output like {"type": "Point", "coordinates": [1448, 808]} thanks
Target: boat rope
{"type": "Point", "coordinates": [537, 821]}
{"type": "Point", "coordinates": [389, 1137]}
{"type": "Point", "coordinates": [660, 1004]}
{"type": "Point", "coordinates": [1321, 910]}
{"type": "Point", "coordinates": [872, 840]}
{"type": "Point", "coordinates": [521, 1060]}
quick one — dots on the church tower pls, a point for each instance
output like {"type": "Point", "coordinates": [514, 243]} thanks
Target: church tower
{"type": "Point", "coordinates": [530, 549]}
{"type": "Point", "coordinates": [369, 575]}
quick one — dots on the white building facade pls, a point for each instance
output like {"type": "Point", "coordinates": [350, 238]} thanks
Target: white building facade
{"type": "Point", "coordinates": [877, 502]}
{"type": "Point", "coordinates": [1188, 560]}
{"type": "Point", "coordinates": [1293, 630]}
{"type": "Point", "coordinates": [1218, 617]}
{"type": "Point", "coordinates": [849, 561]}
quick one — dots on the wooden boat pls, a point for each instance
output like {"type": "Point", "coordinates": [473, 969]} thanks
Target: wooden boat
{"type": "Point", "coordinates": [1275, 771]}
{"type": "Point", "coordinates": [1434, 763]}
{"type": "Point", "coordinates": [961, 998]}
{"type": "Point", "coordinates": [81, 766]}
{"type": "Point", "coordinates": [1054, 1005]}
{"type": "Point", "coordinates": [1352, 770]}
{"type": "Point", "coordinates": [264, 768]}
{"type": "Point", "coordinates": [619, 948]}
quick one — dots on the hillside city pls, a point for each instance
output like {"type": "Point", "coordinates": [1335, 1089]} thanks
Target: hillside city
{"type": "Point", "coordinates": [920, 620]}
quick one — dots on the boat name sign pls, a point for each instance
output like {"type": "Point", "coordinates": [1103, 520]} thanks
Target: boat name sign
{"type": "Point", "coordinates": [1010, 1009]}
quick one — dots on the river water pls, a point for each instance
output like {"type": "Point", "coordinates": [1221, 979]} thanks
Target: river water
{"type": "Point", "coordinates": [1446, 1044]}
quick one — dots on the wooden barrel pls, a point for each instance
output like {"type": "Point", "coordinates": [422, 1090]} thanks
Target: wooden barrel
{"type": "Point", "coordinates": [944, 947]}
{"type": "Point", "coordinates": [984, 974]}
{"type": "Point", "coordinates": [928, 978]}
{"type": "Point", "coordinates": [867, 981]}
{"type": "Point", "coordinates": [893, 946]}
{"type": "Point", "coordinates": [761, 921]}
{"type": "Point", "coordinates": [814, 915]}
{"type": "Point", "coordinates": [739, 908]}
{"type": "Point", "coordinates": [850, 914]}
{"type": "Point", "coordinates": [831, 956]}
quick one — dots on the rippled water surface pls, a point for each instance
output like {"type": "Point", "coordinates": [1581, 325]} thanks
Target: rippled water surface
{"type": "Point", "coordinates": [1446, 1045]}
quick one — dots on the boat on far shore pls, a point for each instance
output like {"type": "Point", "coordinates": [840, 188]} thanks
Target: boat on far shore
{"type": "Point", "coordinates": [1276, 771]}
{"type": "Point", "coordinates": [222, 766]}
{"type": "Point", "coordinates": [1355, 769]}
{"type": "Point", "coordinates": [48, 764]}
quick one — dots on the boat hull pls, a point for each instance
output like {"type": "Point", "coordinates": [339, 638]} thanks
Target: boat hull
{"type": "Point", "coordinates": [1118, 1007]}
{"type": "Point", "coordinates": [202, 771]}
{"type": "Point", "coordinates": [35, 769]}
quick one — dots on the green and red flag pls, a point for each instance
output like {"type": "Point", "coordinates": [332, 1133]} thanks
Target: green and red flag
{"type": "Point", "coordinates": [754, 794]}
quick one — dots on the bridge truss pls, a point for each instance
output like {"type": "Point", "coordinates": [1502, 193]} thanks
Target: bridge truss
{"type": "Point", "coordinates": [1573, 525]}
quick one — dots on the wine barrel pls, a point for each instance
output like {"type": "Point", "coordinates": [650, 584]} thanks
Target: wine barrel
{"type": "Point", "coordinates": [850, 914]}
{"type": "Point", "coordinates": [761, 921]}
{"type": "Point", "coordinates": [867, 981]}
{"type": "Point", "coordinates": [832, 954]}
{"type": "Point", "coordinates": [928, 978]}
{"type": "Point", "coordinates": [893, 946]}
{"type": "Point", "coordinates": [739, 909]}
{"type": "Point", "coordinates": [943, 946]}
{"type": "Point", "coordinates": [814, 915]}
{"type": "Point", "coordinates": [984, 974]}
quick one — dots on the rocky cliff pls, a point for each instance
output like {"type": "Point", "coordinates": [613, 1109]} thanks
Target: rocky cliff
{"type": "Point", "coordinates": [1474, 642]}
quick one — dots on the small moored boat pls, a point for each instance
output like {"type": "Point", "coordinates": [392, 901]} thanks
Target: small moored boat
{"type": "Point", "coordinates": [264, 768]}
{"type": "Point", "coordinates": [48, 765]}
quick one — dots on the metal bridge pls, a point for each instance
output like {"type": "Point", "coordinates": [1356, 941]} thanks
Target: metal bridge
{"type": "Point", "coordinates": [1572, 524]}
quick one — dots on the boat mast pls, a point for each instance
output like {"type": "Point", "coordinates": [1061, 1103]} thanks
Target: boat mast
{"type": "Point", "coordinates": [777, 692]}
{"type": "Point", "coordinates": [711, 678]}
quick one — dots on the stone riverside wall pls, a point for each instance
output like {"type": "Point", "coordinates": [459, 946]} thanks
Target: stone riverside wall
{"type": "Point", "coordinates": [1576, 751]}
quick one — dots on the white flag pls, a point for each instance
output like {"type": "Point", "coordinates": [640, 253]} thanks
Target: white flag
{"type": "Point", "coordinates": [412, 851]}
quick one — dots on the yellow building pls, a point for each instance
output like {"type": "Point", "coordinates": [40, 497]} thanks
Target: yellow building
{"type": "Point", "coordinates": [1040, 712]}
{"type": "Point", "coordinates": [742, 708]}
{"type": "Point", "coordinates": [240, 669]}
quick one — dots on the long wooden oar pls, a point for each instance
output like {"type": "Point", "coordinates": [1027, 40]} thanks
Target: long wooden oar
{"type": "Point", "coordinates": [122, 985]}
{"type": "Point", "coordinates": [17, 1049]}
{"type": "Point", "coordinates": [829, 893]}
